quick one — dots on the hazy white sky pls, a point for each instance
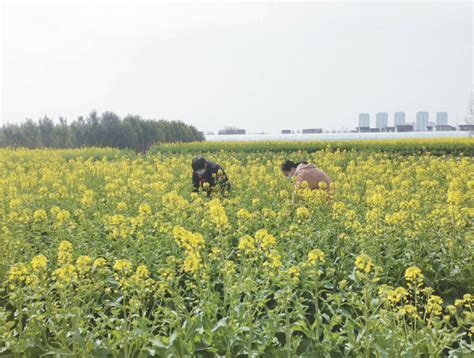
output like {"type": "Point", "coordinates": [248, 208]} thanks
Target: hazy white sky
{"type": "Point", "coordinates": [260, 66]}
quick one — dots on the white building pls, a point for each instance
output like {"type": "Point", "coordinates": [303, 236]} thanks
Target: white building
{"type": "Point", "coordinates": [364, 120]}
{"type": "Point", "coordinates": [399, 119]}
{"type": "Point", "coordinates": [422, 119]}
{"type": "Point", "coordinates": [441, 118]}
{"type": "Point", "coordinates": [381, 120]}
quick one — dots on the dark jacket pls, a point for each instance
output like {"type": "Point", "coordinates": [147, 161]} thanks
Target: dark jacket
{"type": "Point", "coordinates": [214, 175]}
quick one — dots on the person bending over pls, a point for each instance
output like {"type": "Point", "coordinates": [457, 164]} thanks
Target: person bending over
{"type": "Point", "coordinates": [208, 176]}
{"type": "Point", "coordinates": [303, 172]}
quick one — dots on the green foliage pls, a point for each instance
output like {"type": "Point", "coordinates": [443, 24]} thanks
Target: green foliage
{"type": "Point", "coordinates": [108, 130]}
{"type": "Point", "coordinates": [447, 146]}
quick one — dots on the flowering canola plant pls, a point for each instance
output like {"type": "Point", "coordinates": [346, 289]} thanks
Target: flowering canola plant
{"type": "Point", "coordinates": [107, 253]}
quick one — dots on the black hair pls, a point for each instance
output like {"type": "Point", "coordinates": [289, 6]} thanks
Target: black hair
{"type": "Point", "coordinates": [288, 164]}
{"type": "Point", "coordinates": [198, 163]}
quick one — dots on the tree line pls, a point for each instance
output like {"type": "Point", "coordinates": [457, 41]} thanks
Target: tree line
{"type": "Point", "coordinates": [106, 130]}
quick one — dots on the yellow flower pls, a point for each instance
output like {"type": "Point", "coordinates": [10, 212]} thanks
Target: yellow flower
{"type": "Point", "coordinates": [451, 309]}
{"type": "Point", "coordinates": [434, 305]}
{"type": "Point", "coordinates": [284, 194]}
{"type": "Point", "coordinates": [244, 214]}
{"type": "Point", "coordinates": [65, 274]}
{"type": "Point", "coordinates": [17, 274]}
{"type": "Point", "coordinates": [192, 243]}
{"type": "Point", "coordinates": [414, 276]}
{"type": "Point", "coordinates": [88, 198]}
{"type": "Point", "coordinates": [62, 215]}
{"type": "Point", "coordinates": [264, 239]}
{"type": "Point", "coordinates": [213, 255]}
{"type": "Point", "coordinates": [247, 244]}
{"type": "Point", "coordinates": [83, 264]}
{"type": "Point", "coordinates": [187, 239]}
{"type": "Point", "coordinates": [376, 200]}
{"type": "Point", "coordinates": [302, 213]}
{"type": "Point", "coordinates": [99, 262]}
{"type": "Point", "coordinates": [122, 266]}
{"type": "Point", "coordinates": [121, 206]}
{"type": "Point", "coordinates": [40, 215]}
{"type": "Point", "coordinates": [39, 263]}
{"type": "Point", "coordinates": [315, 256]}
{"type": "Point", "coordinates": [142, 272]}
{"type": "Point", "coordinates": [229, 267]}
{"type": "Point", "coordinates": [409, 310]}
{"type": "Point", "coordinates": [218, 215]}
{"type": "Point", "coordinates": [364, 263]}
{"type": "Point", "coordinates": [144, 209]}
{"type": "Point", "coordinates": [294, 272]}
{"type": "Point", "coordinates": [192, 262]}
{"type": "Point", "coordinates": [65, 252]}
{"type": "Point", "coordinates": [397, 295]}
{"type": "Point", "coordinates": [273, 260]}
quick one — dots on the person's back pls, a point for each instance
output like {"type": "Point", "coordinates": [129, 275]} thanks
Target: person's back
{"type": "Point", "coordinates": [312, 175]}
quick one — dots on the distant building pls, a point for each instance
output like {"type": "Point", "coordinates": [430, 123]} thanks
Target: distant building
{"type": "Point", "coordinates": [230, 131]}
{"type": "Point", "coordinates": [399, 119]}
{"type": "Point", "coordinates": [444, 128]}
{"type": "Point", "coordinates": [363, 129]}
{"type": "Point", "coordinates": [381, 120]}
{"type": "Point", "coordinates": [404, 128]}
{"type": "Point", "coordinates": [364, 120]}
{"type": "Point", "coordinates": [466, 127]}
{"type": "Point", "coordinates": [312, 130]}
{"type": "Point", "coordinates": [374, 130]}
{"type": "Point", "coordinates": [422, 119]}
{"type": "Point", "coordinates": [442, 118]}
{"type": "Point", "coordinates": [430, 127]}
{"type": "Point", "coordinates": [286, 131]}
{"type": "Point", "coordinates": [388, 129]}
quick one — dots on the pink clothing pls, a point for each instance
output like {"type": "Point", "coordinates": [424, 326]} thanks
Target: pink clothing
{"type": "Point", "coordinates": [312, 175]}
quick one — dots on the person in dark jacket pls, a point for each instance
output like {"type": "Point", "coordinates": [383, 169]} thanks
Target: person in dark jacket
{"type": "Point", "coordinates": [205, 171]}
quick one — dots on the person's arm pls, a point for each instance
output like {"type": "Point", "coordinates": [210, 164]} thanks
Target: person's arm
{"type": "Point", "coordinates": [222, 179]}
{"type": "Point", "coordinates": [195, 182]}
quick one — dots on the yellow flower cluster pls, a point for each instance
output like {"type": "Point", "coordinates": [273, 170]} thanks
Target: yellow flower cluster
{"type": "Point", "coordinates": [273, 260]}
{"type": "Point", "coordinates": [40, 215]}
{"type": "Point", "coordinates": [302, 212]}
{"type": "Point", "coordinates": [315, 256]}
{"type": "Point", "coordinates": [414, 276]}
{"type": "Point", "coordinates": [434, 305]}
{"type": "Point", "coordinates": [65, 275]}
{"type": "Point", "coordinates": [99, 262]}
{"type": "Point", "coordinates": [122, 266]}
{"type": "Point", "coordinates": [218, 214]}
{"type": "Point", "coordinates": [192, 243]}
{"type": "Point", "coordinates": [294, 272]}
{"type": "Point", "coordinates": [364, 263]}
{"type": "Point", "coordinates": [247, 244]}
{"type": "Point", "coordinates": [65, 252]}
{"type": "Point", "coordinates": [137, 211]}
{"type": "Point", "coordinates": [397, 295]}
{"type": "Point", "coordinates": [39, 263]}
{"type": "Point", "coordinates": [83, 264]}
{"type": "Point", "coordinates": [262, 240]}
{"type": "Point", "coordinates": [17, 274]}
{"type": "Point", "coordinates": [244, 214]}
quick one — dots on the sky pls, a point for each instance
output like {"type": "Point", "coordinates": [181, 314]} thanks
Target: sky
{"type": "Point", "coordinates": [259, 66]}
